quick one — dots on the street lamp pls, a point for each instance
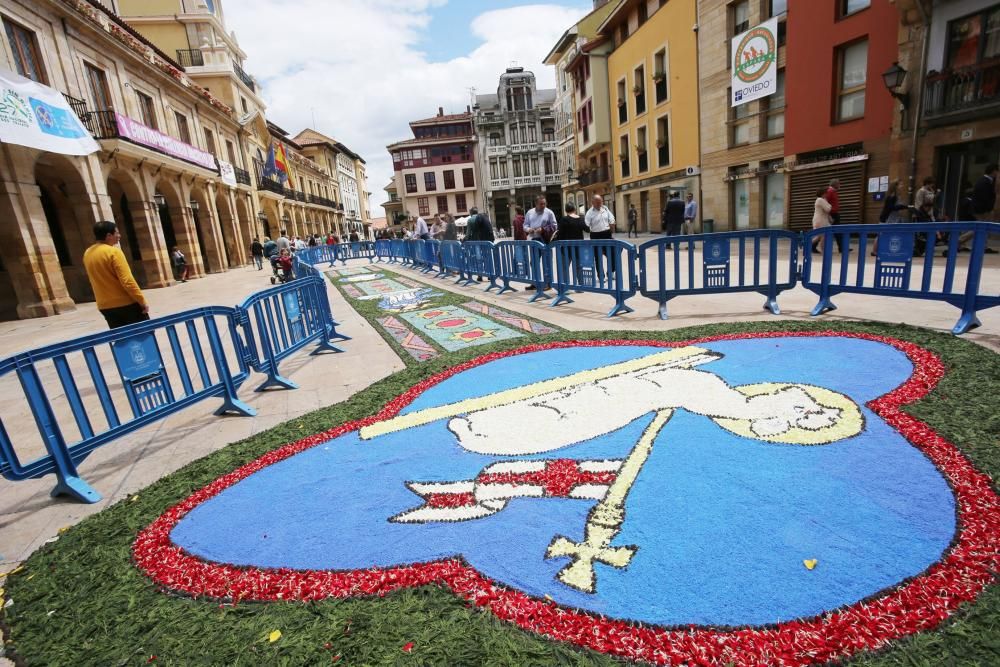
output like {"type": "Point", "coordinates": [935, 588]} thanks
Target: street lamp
{"type": "Point", "coordinates": [893, 79]}
{"type": "Point", "coordinates": [569, 173]}
{"type": "Point", "coordinates": [194, 205]}
{"type": "Point", "coordinates": [159, 200]}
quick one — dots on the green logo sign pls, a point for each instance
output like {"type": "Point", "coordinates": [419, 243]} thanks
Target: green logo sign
{"type": "Point", "coordinates": [754, 54]}
{"type": "Point", "coordinates": [14, 108]}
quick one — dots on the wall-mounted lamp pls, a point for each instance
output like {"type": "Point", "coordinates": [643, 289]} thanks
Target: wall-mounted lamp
{"type": "Point", "coordinates": [893, 79]}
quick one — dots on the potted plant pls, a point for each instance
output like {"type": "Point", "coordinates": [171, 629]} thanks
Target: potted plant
{"type": "Point", "coordinates": [660, 143]}
{"type": "Point", "coordinates": [621, 102]}
{"type": "Point", "coordinates": [658, 77]}
{"type": "Point", "coordinates": [637, 90]}
{"type": "Point", "coordinates": [622, 157]}
{"type": "Point", "coordinates": [640, 149]}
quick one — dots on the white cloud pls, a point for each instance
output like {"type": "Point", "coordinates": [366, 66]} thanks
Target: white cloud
{"type": "Point", "coordinates": [357, 65]}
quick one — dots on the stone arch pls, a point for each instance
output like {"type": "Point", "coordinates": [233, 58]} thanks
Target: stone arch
{"type": "Point", "coordinates": [175, 222]}
{"type": "Point", "coordinates": [206, 231]}
{"type": "Point", "coordinates": [128, 206]}
{"type": "Point", "coordinates": [232, 242]}
{"type": "Point", "coordinates": [245, 220]}
{"type": "Point", "coordinates": [70, 213]}
{"type": "Point", "coordinates": [271, 223]}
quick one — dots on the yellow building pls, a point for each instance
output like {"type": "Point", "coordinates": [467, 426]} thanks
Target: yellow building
{"type": "Point", "coordinates": [653, 80]}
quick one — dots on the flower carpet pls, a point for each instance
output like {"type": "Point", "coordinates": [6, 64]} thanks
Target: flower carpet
{"type": "Point", "coordinates": [751, 494]}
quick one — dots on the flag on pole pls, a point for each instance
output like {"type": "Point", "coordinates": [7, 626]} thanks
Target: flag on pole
{"type": "Point", "coordinates": [281, 162]}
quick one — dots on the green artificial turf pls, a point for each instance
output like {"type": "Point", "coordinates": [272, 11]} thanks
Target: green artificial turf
{"type": "Point", "coordinates": [79, 600]}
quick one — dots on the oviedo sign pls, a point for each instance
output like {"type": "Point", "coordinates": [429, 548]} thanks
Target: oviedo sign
{"type": "Point", "coordinates": [755, 63]}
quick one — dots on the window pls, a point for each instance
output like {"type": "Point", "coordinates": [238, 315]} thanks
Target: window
{"type": "Point", "coordinates": [639, 89]}
{"type": "Point", "coordinates": [423, 206]}
{"type": "Point", "coordinates": [460, 205]}
{"type": "Point", "coordinates": [230, 151]}
{"type": "Point", "coordinates": [468, 179]}
{"type": "Point", "coordinates": [623, 31]}
{"type": "Point", "coordinates": [430, 182]}
{"type": "Point", "coordinates": [243, 103]}
{"type": "Point", "coordinates": [739, 194]}
{"type": "Point", "coordinates": [622, 106]}
{"type": "Point", "coordinates": [974, 39]}
{"type": "Point", "coordinates": [209, 141]}
{"type": "Point", "coordinates": [442, 203]}
{"type": "Point", "coordinates": [640, 149]}
{"type": "Point", "coordinates": [449, 180]}
{"type": "Point", "coordinates": [740, 12]}
{"type": "Point", "coordinates": [852, 66]}
{"type": "Point", "coordinates": [623, 153]}
{"type": "Point", "coordinates": [774, 107]}
{"type": "Point", "coordinates": [848, 7]}
{"type": "Point", "coordinates": [739, 124]}
{"type": "Point", "coordinates": [147, 114]}
{"type": "Point", "coordinates": [182, 127]}
{"type": "Point", "coordinates": [663, 141]}
{"type": "Point", "coordinates": [774, 195]}
{"type": "Point", "coordinates": [778, 7]}
{"type": "Point", "coordinates": [24, 45]}
{"type": "Point", "coordinates": [643, 12]}
{"type": "Point", "coordinates": [411, 183]}
{"type": "Point", "coordinates": [660, 75]}
{"type": "Point", "coordinates": [97, 84]}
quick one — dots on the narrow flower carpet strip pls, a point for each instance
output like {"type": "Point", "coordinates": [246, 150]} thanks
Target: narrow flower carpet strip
{"type": "Point", "coordinates": [516, 321]}
{"type": "Point", "coordinates": [454, 328]}
{"type": "Point", "coordinates": [416, 346]}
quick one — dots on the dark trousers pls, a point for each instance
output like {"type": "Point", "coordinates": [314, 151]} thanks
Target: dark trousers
{"type": "Point", "coordinates": [673, 229]}
{"type": "Point", "coordinates": [632, 229]}
{"type": "Point", "coordinates": [259, 261]}
{"type": "Point", "coordinates": [600, 254]}
{"type": "Point", "coordinates": [125, 315]}
{"type": "Point", "coordinates": [835, 220]}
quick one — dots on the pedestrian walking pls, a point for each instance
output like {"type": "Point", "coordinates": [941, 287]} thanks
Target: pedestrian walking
{"type": "Point", "coordinates": [673, 216]}
{"type": "Point", "coordinates": [633, 222]}
{"type": "Point", "coordinates": [179, 262]}
{"type": "Point", "coordinates": [257, 252]}
{"type": "Point", "coordinates": [832, 196]}
{"type": "Point", "coordinates": [821, 215]}
{"type": "Point", "coordinates": [984, 194]}
{"type": "Point", "coordinates": [690, 213]}
{"type": "Point", "coordinates": [519, 234]}
{"type": "Point", "coordinates": [283, 242]}
{"type": "Point", "coordinates": [118, 296]}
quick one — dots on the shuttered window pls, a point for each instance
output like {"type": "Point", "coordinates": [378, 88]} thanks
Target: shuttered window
{"type": "Point", "coordinates": [805, 184]}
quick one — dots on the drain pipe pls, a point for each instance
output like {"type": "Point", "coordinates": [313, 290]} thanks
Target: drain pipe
{"type": "Point", "coordinates": [925, 19]}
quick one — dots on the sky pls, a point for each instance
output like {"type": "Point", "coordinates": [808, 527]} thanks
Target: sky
{"type": "Point", "coordinates": [365, 68]}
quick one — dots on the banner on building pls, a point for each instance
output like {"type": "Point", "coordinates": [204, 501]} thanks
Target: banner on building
{"type": "Point", "coordinates": [37, 116]}
{"type": "Point", "coordinates": [227, 173]}
{"type": "Point", "coordinates": [137, 133]}
{"type": "Point", "coordinates": [755, 63]}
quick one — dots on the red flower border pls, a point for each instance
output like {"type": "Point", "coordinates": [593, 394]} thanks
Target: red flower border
{"type": "Point", "coordinates": [915, 605]}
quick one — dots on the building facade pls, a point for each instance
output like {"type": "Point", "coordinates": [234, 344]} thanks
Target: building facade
{"type": "Point", "coordinates": [839, 116]}
{"type": "Point", "coordinates": [161, 193]}
{"type": "Point", "coordinates": [516, 131]}
{"type": "Point", "coordinates": [950, 120]}
{"type": "Point", "coordinates": [743, 182]}
{"type": "Point", "coordinates": [653, 83]}
{"type": "Point", "coordinates": [559, 57]}
{"type": "Point", "coordinates": [435, 171]}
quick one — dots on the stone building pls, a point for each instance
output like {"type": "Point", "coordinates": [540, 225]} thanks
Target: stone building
{"type": "Point", "coordinates": [435, 171]}
{"type": "Point", "coordinates": [155, 174]}
{"type": "Point", "coordinates": [516, 131]}
{"type": "Point", "coordinates": [743, 182]}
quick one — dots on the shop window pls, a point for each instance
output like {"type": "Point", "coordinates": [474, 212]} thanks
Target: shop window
{"type": "Point", "coordinates": [24, 45]}
{"type": "Point", "coordinates": [774, 195]}
{"type": "Point", "coordinates": [852, 66]}
{"type": "Point", "coordinates": [739, 195]}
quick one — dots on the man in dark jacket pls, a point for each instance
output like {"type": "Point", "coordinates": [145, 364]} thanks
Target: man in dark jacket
{"type": "Point", "coordinates": [479, 227]}
{"type": "Point", "coordinates": [673, 216]}
{"type": "Point", "coordinates": [984, 194]}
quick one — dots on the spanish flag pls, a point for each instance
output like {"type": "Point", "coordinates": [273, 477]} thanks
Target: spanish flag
{"type": "Point", "coordinates": [281, 164]}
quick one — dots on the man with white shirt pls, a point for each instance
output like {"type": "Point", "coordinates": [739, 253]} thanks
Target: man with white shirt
{"type": "Point", "coordinates": [539, 219]}
{"type": "Point", "coordinates": [601, 223]}
{"type": "Point", "coordinates": [690, 213]}
{"type": "Point", "coordinates": [420, 230]}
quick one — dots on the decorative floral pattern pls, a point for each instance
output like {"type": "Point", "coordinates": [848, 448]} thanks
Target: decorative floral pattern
{"type": "Point", "coordinates": [916, 605]}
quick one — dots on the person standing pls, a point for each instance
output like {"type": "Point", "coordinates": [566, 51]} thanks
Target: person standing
{"type": "Point", "coordinates": [420, 230]}
{"type": "Point", "coordinates": [437, 229]}
{"type": "Point", "coordinates": [571, 228]}
{"type": "Point", "coordinates": [478, 228]}
{"type": "Point", "coordinates": [690, 213]}
{"type": "Point", "coordinates": [601, 223]}
{"type": "Point", "coordinates": [518, 224]}
{"type": "Point", "coordinates": [832, 196]}
{"type": "Point", "coordinates": [179, 262]}
{"type": "Point", "coordinates": [925, 195]}
{"type": "Point", "coordinates": [633, 222]}
{"type": "Point", "coordinates": [984, 194]}
{"type": "Point", "coordinates": [257, 252]}
{"type": "Point", "coordinates": [540, 222]}
{"type": "Point", "coordinates": [821, 216]}
{"type": "Point", "coordinates": [450, 229]}
{"type": "Point", "coordinates": [283, 242]}
{"type": "Point", "coordinates": [118, 296]}
{"type": "Point", "coordinates": [673, 216]}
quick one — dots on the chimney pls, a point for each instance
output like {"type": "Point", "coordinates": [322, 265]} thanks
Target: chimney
{"type": "Point", "coordinates": [468, 109]}
{"type": "Point", "coordinates": [440, 111]}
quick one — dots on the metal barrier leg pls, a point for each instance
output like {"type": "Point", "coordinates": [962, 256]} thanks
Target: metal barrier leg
{"type": "Point", "coordinates": [772, 305]}
{"type": "Point", "coordinates": [539, 293]}
{"type": "Point", "coordinates": [968, 320]}
{"type": "Point", "coordinates": [506, 287]}
{"type": "Point", "coordinates": [561, 298]}
{"type": "Point", "coordinates": [825, 304]}
{"type": "Point", "coordinates": [230, 402]}
{"type": "Point", "coordinates": [271, 366]}
{"type": "Point", "coordinates": [662, 311]}
{"type": "Point", "coordinates": [620, 307]}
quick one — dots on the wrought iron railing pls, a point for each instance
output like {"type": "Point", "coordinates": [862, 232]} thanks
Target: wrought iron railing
{"type": "Point", "coordinates": [190, 57]}
{"type": "Point", "coordinates": [963, 89]}
{"type": "Point", "coordinates": [101, 124]}
{"type": "Point", "coordinates": [243, 76]}
{"type": "Point", "coordinates": [78, 106]}
{"type": "Point", "coordinates": [242, 175]}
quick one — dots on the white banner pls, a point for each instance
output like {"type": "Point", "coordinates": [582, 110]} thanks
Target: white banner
{"type": "Point", "coordinates": [755, 63]}
{"type": "Point", "coordinates": [39, 117]}
{"type": "Point", "coordinates": [227, 172]}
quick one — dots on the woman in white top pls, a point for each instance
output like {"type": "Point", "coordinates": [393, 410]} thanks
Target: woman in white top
{"type": "Point", "coordinates": [821, 215]}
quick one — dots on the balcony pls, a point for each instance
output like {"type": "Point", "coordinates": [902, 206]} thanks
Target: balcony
{"type": "Point", "coordinates": [78, 106]}
{"type": "Point", "coordinates": [496, 150]}
{"type": "Point", "coordinates": [499, 183]}
{"type": "Point", "coordinates": [108, 124]}
{"type": "Point", "coordinates": [521, 181]}
{"type": "Point", "coordinates": [594, 176]}
{"type": "Point", "coordinates": [963, 93]}
{"type": "Point", "coordinates": [190, 58]}
{"type": "Point", "coordinates": [553, 179]}
{"type": "Point", "coordinates": [243, 76]}
{"type": "Point", "coordinates": [242, 175]}
{"type": "Point", "coordinates": [550, 145]}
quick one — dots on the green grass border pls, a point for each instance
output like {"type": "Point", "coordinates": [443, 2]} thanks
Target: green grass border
{"type": "Point", "coordinates": [80, 601]}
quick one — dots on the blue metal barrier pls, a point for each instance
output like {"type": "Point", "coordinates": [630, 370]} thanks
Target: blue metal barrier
{"type": "Point", "coordinates": [355, 250]}
{"type": "Point", "coordinates": [452, 259]}
{"type": "Point", "coordinates": [524, 262]}
{"type": "Point", "coordinates": [481, 260]}
{"type": "Point", "coordinates": [397, 251]}
{"type": "Point", "coordinates": [150, 386]}
{"type": "Point", "coordinates": [429, 255]}
{"type": "Point", "coordinates": [282, 320]}
{"type": "Point", "coordinates": [676, 271]}
{"type": "Point", "coordinates": [383, 250]}
{"type": "Point", "coordinates": [892, 274]}
{"type": "Point", "coordinates": [413, 255]}
{"type": "Point", "coordinates": [603, 266]}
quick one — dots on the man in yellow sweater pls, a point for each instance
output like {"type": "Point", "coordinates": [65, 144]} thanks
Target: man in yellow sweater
{"type": "Point", "coordinates": [118, 295]}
